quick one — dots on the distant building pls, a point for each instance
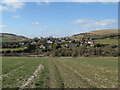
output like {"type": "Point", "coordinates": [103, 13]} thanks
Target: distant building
{"type": "Point", "coordinates": [62, 41]}
{"type": "Point", "coordinates": [21, 43]}
{"type": "Point", "coordinates": [33, 43]}
{"type": "Point", "coordinates": [89, 42]}
{"type": "Point", "coordinates": [49, 42]}
{"type": "Point", "coordinates": [42, 46]}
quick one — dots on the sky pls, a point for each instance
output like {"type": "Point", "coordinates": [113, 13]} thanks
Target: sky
{"type": "Point", "coordinates": [57, 19]}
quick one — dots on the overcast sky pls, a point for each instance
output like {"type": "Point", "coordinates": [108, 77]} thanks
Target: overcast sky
{"type": "Point", "coordinates": [58, 19]}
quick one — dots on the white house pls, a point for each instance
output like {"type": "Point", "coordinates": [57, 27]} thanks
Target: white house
{"type": "Point", "coordinates": [42, 46]}
{"type": "Point", "coordinates": [49, 42]}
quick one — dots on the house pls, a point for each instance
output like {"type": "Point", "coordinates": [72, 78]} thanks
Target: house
{"type": "Point", "coordinates": [89, 42]}
{"type": "Point", "coordinates": [62, 41]}
{"type": "Point", "coordinates": [59, 41]}
{"type": "Point", "coordinates": [81, 44]}
{"type": "Point", "coordinates": [42, 39]}
{"type": "Point", "coordinates": [42, 46]}
{"type": "Point", "coordinates": [33, 43]}
{"type": "Point", "coordinates": [49, 42]}
{"type": "Point", "coordinates": [21, 43]}
{"type": "Point", "coordinates": [71, 45]}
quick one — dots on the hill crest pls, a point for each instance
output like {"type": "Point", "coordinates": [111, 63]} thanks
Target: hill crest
{"type": "Point", "coordinates": [8, 37]}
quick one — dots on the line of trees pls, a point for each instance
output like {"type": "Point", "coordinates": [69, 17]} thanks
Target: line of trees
{"type": "Point", "coordinates": [87, 52]}
{"type": "Point", "coordinates": [57, 51]}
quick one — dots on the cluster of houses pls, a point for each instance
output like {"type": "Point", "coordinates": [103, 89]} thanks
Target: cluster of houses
{"type": "Point", "coordinates": [66, 42]}
{"type": "Point", "coordinates": [48, 41]}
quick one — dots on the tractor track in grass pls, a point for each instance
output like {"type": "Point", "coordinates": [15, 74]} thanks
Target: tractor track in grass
{"type": "Point", "coordinates": [95, 74]}
{"type": "Point", "coordinates": [54, 75]}
{"type": "Point", "coordinates": [60, 78]}
{"type": "Point", "coordinates": [102, 79]}
{"type": "Point", "coordinates": [85, 79]}
{"type": "Point", "coordinates": [32, 78]}
{"type": "Point", "coordinates": [51, 74]}
{"type": "Point", "coordinates": [72, 79]}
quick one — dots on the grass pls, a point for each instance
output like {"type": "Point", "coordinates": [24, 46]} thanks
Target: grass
{"type": "Point", "coordinates": [100, 72]}
{"type": "Point", "coordinates": [13, 49]}
{"type": "Point", "coordinates": [108, 41]}
{"type": "Point", "coordinates": [16, 77]}
{"type": "Point", "coordinates": [96, 33]}
{"type": "Point", "coordinates": [6, 37]}
{"type": "Point", "coordinates": [106, 31]}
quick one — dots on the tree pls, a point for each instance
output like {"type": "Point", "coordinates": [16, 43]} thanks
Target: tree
{"type": "Point", "coordinates": [36, 39]}
{"type": "Point", "coordinates": [31, 48]}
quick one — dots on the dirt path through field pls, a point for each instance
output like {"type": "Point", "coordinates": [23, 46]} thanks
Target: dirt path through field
{"type": "Point", "coordinates": [33, 77]}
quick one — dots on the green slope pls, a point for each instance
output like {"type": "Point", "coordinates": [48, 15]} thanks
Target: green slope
{"type": "Point", "coordinates": [107, 41]}
{"type": "Point", "coordinates": [96, 34]}
{"type": "Point", "coordinates": [107, 36]}
{"type": "Point", "coordinates": [105, 32]}
{"type": "Point", "coordinates": [6, 37]}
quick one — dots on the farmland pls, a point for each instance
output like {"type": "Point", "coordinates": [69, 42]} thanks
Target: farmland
{"type": "Point", "coordinates": [7, 37]}
{"type": "Point", "coordinates": [108, 41]}
{"type": "Point", "coordinates": [97, 72]}
{"type": "Point", "coordinates": [13, 49]}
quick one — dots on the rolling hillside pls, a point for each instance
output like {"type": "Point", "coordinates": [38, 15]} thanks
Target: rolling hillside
{"type": "Point", "coordinates": [96, 34]}
{"type": "Point", "coordinates": [6, 37]}
{"type": "Point", "coordinates": [107, 36]}
{"type": "Point", "coordinates": [105, 32]}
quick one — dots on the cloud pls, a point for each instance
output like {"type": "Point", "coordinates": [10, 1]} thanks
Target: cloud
{"type": "Point", "coordinates": [106, 22]}
{"type": "Point", "coordinates": [87, 24]}
{"type": "Point", "coordinates": [76, 0]}
{"type": "Point", "coordinates": [39, 2]}
{"type": "Point", "coordinates": [83, 21]}
{"type": "Point", "coordinates": [47, 1]}
{"type": "Point", "coordinates": [16, 16]}
{"type": "Point", "coordinates": [3, 8]}
{"type": "Point", "coordinates": [36, 23]}
{"type": "Point", "coordinates": [2, 26]}
{"type": "Point", "coordinates": [11, 5]}
{"type": "Point", "coordinates": [94, 0]}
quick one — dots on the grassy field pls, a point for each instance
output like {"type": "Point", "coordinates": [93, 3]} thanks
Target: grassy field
{"type": "Point", "coordinates": [107, 41]}
{"type": "Point", "coordinates": [61, 72]}
{"type": "Point", "coordinates": [96, 33]}
{"type": "Point", "coordinates": [7, 37]}
{"type": "Point", "coordinates": [104, 32]}
{"type": "Point", "coordinates": [13, 49]}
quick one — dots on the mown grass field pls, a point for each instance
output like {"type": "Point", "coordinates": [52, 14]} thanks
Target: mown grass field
{"type": "Point", "coordinates": [107, 41]}
{"type": "Point", "coordinates": [99, 72]}
{"type": "Point", "coordinates": [13, 49]}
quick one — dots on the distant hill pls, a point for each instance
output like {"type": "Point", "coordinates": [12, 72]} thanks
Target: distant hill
{"type": "Point", "coordinates": [104, 32]}
{"type": "Point", "coordinates": [6, 37]}
{"type": "Point", "coordinates": [97, 34]}
{"type": "Point", "coordinates": [107, 36]}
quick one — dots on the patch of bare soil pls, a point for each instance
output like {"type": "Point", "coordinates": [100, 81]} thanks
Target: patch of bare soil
{"type": "Point", "coordinates": [32, 78]}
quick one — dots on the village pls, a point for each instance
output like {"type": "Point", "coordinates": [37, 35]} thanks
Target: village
{"type": "Point", "coordinates": [57, 47]}
{"type": "Point", "coordinates": [44, 43]}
